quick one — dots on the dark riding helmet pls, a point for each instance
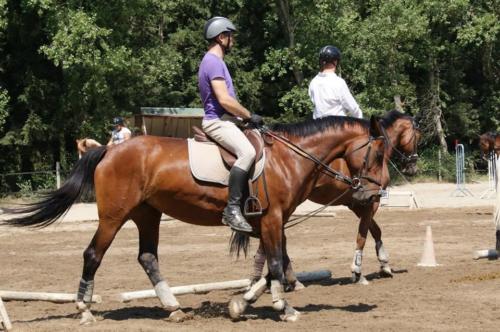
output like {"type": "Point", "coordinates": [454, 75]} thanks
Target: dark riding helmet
{"type": "Point", "coordinates": [118, 121]}
{"type": "Point", "coordinates": [217, 25]}
{"type": "Point", "coordinates": [328, 54]}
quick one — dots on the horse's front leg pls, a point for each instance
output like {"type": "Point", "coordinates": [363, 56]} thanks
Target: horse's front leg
{"type": "Point", "coordinates": [365, 221]}
{"type": "Point", "coordinates": [273, 240]}
{"type": "Point", "coordinates": [259, 260]}
{"type": "Point", "coordinates": [272, 243]}
{"type": "Point", "coordinates": [383, 257]}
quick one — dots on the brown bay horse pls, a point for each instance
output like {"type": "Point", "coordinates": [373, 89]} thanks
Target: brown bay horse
{"type": "Point", "coordinates": [156, 179]}
{"type": "Point", "coordinates": [402, 135]}
{"type": "Point", "coordinates": [489, 142]}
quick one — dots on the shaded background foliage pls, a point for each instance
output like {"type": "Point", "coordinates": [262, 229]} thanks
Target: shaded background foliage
{"type": "Point", "coordinates": [68, 67]}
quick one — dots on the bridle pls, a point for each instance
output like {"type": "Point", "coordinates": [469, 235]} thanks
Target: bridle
{"type": "Point", "coordinates": [412, 158]}
{"type": "Point", "coordinates": [354, 182]}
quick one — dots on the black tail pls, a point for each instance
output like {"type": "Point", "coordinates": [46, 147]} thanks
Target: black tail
{"type": "Point", "coordinates": [239, 241]}
{"type": "Point", "coordinates": [56, 203]}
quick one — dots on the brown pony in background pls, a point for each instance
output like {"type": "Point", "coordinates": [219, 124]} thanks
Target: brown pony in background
{"type": "Point", "coordinates": [157, 179]}
{"type": "Point", "coordinates": [489, 142]}
{"type": "Point", "coordinates": [84, 144]}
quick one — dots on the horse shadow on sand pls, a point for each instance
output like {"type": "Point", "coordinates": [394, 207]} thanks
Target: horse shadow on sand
{"type": "Point", "coordinates": [209, 309]}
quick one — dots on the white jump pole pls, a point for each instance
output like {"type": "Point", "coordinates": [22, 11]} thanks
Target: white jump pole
{"type": "Point", "coordinates": [4, 318]}
{"type": "Point", "coordinates": [39, 296]}
{"type": "Point", "coordinates": [205, 288]}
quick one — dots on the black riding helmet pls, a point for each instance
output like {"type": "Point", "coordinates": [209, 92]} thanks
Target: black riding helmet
{"type": "Point", "coordinates": [118, 121]}
{"type": "Point", "coordinates": [328, 54]}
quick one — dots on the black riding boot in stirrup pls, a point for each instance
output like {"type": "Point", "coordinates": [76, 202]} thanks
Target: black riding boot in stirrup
{"type": "Point", "coordinates": [232, 215]}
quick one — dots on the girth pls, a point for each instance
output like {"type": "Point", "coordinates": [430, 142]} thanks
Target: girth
{"type": "Point", "coordinates": [229, 158]}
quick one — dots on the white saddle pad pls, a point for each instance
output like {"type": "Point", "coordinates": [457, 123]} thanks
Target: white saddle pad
{"type": "Point", "coordinates": [206, 163]}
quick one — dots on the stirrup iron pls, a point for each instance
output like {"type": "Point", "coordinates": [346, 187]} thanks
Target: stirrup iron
{"type": "Point", "coordinates": [252, 207]}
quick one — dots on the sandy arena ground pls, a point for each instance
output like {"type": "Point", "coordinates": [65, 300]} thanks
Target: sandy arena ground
{"type": "Point", "coordinates": [459, 295]}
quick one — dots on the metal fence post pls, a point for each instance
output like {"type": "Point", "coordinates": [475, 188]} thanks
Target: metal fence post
{"type": "Point", "coordinates": [58, 175]}
{"type": "Point", "coordinates": [439, 166]}
{"type": "Point", "coordinates": [492, 177]}
{"type": "Point", "coordinates": [460, 191]}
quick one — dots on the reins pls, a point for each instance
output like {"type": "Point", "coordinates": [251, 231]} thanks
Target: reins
{"type": "Point", "coordinates": [410, 158]}
{"type": "Point", "coordinates": [355, 182]}
{"type": "Point", "coordinates": [295, 221]}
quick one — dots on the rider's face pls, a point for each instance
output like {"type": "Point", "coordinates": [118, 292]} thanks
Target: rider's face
{"type": "Point", "coordinates": [227, 39]}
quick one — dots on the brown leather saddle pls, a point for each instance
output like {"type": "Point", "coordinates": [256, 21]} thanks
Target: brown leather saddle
{"type": "Point", "coordinates": [252, 206]}
{"type": "Point", "coordinates": [229, 158]}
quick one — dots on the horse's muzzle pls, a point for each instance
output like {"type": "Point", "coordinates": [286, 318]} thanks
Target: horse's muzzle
{"type": "Point", "coordinates": [410, 170]}
{"type": "Point", "coordinates": [365, 196]}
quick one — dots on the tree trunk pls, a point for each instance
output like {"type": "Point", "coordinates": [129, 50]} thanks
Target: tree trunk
{"type": "Point", "coordinates": [289, 26]}
{"type": "Point", "coordinates": [435, 106]}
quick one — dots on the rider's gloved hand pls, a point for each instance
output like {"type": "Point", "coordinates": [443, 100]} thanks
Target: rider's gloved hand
{"type": "Point", "coordinates": [256, 120]}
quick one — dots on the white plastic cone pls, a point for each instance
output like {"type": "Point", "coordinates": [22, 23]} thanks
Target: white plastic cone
{"type": "Point", "coordinates": [428, 257]}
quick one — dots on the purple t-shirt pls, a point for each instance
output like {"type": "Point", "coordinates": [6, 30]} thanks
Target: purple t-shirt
{"type": "Point", "coordinates": [212, 67]}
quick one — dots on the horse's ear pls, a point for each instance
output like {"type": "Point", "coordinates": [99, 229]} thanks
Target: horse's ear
{"type": "Point", "coordinates": [375, 127]}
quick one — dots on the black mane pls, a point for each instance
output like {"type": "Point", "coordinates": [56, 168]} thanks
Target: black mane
{"type": "Point", "coordinates": [311, 126]}
{"type": "Point", "coordinates": [392, 116]}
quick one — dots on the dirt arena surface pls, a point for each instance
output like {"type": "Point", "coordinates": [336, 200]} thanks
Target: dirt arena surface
{"type": "Point", "coordinates": [459, 295]}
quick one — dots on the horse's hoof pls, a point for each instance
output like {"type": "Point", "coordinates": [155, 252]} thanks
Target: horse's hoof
{"type": "Point", "coordinates": [87, 318]}
{"type": "Point", "coordinates": [291, 315]}
{"type": "Point", "coordinates": [237, 307]}
{"type": "Point", "coordinates": [358, 278]}
{"type": "Point", "coordinates": [385, 272]}
{"type": "Point", "coordinates": [298, 286]}
{"type": "Point", "coordinates": [363, 281]}
{"type": "Point", "coordinates": [179, 316]}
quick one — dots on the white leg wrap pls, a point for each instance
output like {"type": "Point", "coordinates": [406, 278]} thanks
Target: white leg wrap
{"type": "Point", "coordinates": [382, 256]}
{"type": "Point", "coordinates": [256, 290]}
{"type": "Point", "coordinates": [356, 262]}
{"type": "Point", "coordinates": [166, 297]}
{"type": "Point", "coordinates": [84, 309]}
{"type": "Point", "coordinates": [277, 295]}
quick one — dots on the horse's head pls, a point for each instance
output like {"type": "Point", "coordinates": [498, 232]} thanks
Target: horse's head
{"type": "Point", "coordinates": [80, 147]}
{"type": "Point", "coordinates": [403, 136]}
{"type": "Point", "coordinates": [487, 144]}
{"type": "Point", "coordinates": [367, 163]}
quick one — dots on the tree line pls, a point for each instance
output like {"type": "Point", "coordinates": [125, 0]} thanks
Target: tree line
{"type": "Point", "coordinates": [67, 67]}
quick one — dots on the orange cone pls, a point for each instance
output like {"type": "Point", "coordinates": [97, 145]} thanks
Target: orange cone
{"type": "Point", "coordinates": [428, 257]}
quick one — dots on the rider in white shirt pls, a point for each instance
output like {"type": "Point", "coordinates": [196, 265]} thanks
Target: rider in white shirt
{"type": "Point", "coordinates": [329, 93]}
{"type": "Point", "coordinates": [121, 133]}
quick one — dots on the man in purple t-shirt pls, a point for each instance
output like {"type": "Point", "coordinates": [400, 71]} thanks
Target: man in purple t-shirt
{"type": "Point", "coordinates": [222, 111]}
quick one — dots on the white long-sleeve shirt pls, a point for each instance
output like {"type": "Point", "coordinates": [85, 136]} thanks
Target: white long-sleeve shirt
{"type": "Point", "coordinates": [331, 96]}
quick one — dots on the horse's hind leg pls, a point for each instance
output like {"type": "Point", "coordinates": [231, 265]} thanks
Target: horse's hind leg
{"type": "Point", "coordinates": [147, 220]}
{"type": "Point", "coordinates": [92, 257]}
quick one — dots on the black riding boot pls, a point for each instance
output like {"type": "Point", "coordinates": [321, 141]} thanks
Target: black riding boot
{"type": "Point", "coordinates": [498, 241]}
{"type": "Point", "coordinates": [232, 215]}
